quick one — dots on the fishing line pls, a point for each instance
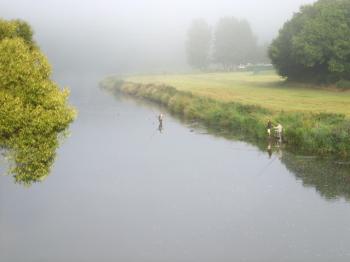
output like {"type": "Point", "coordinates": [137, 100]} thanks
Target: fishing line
{"type": "Point", "coordinates": [247, 150]}
{"type": "Point", "coordinates": [266, 167]}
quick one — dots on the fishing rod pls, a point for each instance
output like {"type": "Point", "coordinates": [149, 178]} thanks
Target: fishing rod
{"type": "Point", "coordinates": [263, 170]}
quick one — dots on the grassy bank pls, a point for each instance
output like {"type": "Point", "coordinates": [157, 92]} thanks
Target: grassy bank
{"type": "Point", "coordinates": [307, 130]}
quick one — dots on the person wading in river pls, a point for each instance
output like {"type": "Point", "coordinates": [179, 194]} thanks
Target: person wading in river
{"type": "Point", "coordinates": [160, 119]}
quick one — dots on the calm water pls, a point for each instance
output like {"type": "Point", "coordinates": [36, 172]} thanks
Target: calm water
{"type": "Point", "coordinates": [122, 191]}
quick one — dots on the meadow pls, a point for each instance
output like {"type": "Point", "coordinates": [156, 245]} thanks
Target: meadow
{"type": "Point", "coordinates": [264, 88]}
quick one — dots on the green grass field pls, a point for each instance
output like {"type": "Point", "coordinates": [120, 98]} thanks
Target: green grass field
{"type": "Point", "coordinates": [266, 89]}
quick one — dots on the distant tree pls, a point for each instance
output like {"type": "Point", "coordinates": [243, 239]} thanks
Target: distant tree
{"type": "Point", "coordinates": [198, 44]}
{"type": "Point", "coordinates": [315, 44]}
{"type": "Point", "coordinates": [234, 42]}
{"type": "Point", "coordinates": [261, 55]}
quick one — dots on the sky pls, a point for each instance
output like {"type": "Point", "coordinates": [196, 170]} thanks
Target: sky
{"type": "Point", "coordinates": [135, 36]}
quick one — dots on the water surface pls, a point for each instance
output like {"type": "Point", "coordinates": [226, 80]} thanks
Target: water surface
{"type": "Point", "coordinates": [122, 191]}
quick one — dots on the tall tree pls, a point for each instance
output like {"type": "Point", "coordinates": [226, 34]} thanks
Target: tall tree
{"type": "Point", "coordinates": [234, 42]}
{"type": "Point", "coordinates": [34, 110]}
{"type": "Point", "coordinates": [315, 44]}
{"type": "Point", "coordinates": [198, 44]}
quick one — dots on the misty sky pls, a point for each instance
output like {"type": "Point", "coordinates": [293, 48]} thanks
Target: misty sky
{"type": "Point", "coordinates": [134, 35]}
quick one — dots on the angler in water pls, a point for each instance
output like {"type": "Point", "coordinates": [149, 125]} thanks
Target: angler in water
{"type": "Point", "coordinates": [160, 119]}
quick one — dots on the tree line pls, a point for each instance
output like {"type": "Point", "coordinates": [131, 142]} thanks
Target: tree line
{"type": "Point", "coordinates": [313, 46]}
{"type": "Point", "coordinates": [230, 44]}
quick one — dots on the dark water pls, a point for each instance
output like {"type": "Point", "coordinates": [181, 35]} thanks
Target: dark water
{"type": "Point", "coordinates": [122, 191]}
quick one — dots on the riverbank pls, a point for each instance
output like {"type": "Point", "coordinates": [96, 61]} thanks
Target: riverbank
{"type": "Point", "coordinates": [309, 132]}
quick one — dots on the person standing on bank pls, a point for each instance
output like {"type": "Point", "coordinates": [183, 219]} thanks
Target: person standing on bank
{"type": "Point", "coordinates": [269, 127]}
{"type": "Point", "coordinates": [279, 130]}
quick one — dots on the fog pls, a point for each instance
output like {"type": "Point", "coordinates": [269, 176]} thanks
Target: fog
{"type": "Point", "coordinates": [134, 36]}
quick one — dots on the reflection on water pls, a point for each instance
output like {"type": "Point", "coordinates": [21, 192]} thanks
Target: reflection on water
{"type": "Point", "coordinates": [33, 162]}
{"type": "Point", "coordinates": [331, 178]}
{"type": "Point", "coordinates": [160, 127]}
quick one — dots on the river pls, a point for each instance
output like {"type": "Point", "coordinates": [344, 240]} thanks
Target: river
{"type": "Point", "coordinates": [120, 190]}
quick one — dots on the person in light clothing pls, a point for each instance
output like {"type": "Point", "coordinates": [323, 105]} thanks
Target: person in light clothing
{"type": "Point", "coordinates": [279, 130]}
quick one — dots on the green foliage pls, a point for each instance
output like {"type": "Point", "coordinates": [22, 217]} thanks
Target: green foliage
{"type": "Point", "coordinates": [33, 110]}
{"type": "Point", "coordinates": [234, 42]}
{"type": "Point", "coordinates": [198, 44]}
{"type": "Point", "coordinates": [16, 29]}
{"type": "Point", "coordinates": [315, 44]}
{"type": "Point", "coordinates": [23, 71]}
